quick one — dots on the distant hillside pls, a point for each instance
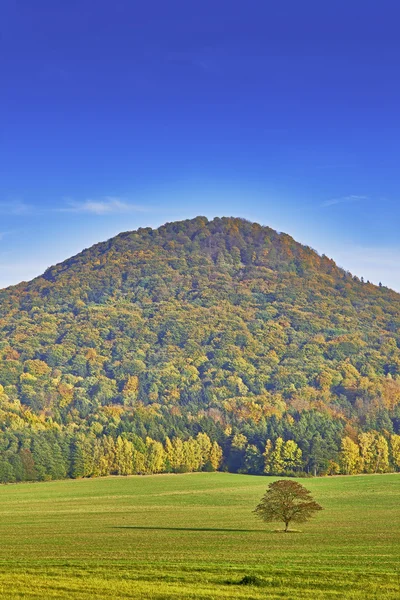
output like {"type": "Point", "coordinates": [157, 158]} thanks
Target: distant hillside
{"type": "Point", "coordinates": [223, 327]}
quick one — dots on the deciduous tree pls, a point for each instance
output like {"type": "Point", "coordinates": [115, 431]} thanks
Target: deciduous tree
{"type": "Point", "coordinates": [286, 501]}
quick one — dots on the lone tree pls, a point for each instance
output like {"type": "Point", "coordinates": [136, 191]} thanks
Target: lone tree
{"type": "Point", "coordinates": [286, 501]}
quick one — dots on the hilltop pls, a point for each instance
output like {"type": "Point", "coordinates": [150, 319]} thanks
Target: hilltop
{"type": "Point", "coordinates": [223, 326]}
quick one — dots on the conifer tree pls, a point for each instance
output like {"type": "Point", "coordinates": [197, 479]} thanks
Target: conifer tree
{"type": "Point", "coordinates": [253, 460]}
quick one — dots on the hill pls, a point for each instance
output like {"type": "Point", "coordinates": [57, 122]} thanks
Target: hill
{"type": "Point", "coordinates": [224, 328]}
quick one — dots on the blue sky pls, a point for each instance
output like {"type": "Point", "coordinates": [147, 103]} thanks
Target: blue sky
{"type": "Point", "coordinates": [122, 114]}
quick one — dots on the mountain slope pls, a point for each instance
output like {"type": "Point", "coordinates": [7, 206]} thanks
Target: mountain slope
{"type": "Point", "coordinates": [201, 325]}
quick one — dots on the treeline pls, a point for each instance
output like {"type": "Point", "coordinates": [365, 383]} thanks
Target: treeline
{"type": "Point", "coordinates": [371, 452]}
{"type": "Point", "coordinates": [50, 455]}
{"type": "Point", "coordinates": [55, 454]}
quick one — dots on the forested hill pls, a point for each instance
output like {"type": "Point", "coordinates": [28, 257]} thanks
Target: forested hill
{"type": "Point", "coordinates": [223, 327]}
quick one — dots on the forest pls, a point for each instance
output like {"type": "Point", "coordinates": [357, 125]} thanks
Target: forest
{"type": "Point", "coordinates": [201, 345]}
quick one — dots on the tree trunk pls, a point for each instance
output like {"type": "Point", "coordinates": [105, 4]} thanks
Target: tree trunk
{"type": "Point", "coordinates": [286, 526]}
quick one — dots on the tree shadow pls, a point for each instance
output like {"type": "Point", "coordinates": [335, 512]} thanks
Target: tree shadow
{"type": "Point", "coordinates": [144, 528]}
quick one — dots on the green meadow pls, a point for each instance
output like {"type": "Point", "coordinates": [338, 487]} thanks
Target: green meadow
{"type": "Point", "coordinates": [194, 536]}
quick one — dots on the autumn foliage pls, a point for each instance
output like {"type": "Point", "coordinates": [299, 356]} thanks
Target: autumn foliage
{"type": "Point", "coordinates": [222, 327]}
{"type": "Point", "coordinates": [287, 501]}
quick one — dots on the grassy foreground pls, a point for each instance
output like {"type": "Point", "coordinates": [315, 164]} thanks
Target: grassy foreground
{"type": "Point", "coordinates": [194, 536]}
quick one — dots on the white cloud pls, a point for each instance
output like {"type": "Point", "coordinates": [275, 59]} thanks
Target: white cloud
{"type": "Point", "coordinates": [14, 208]}
{"type": "Point", "coordinates": [103, 206]}
{"type": "Point", "coordinates": [343, 200]}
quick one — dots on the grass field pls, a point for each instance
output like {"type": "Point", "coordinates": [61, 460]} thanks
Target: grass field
{"type": "Point", "coordinates": [194, 536]}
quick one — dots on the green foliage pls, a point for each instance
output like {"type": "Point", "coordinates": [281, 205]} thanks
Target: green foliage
{"type": "Point", "coordinates": [287, 501]}
{"type": "Point", "coordinates": [219, 327]}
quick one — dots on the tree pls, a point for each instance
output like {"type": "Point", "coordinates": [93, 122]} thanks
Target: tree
{"type": "Point", "coordinates": [123, 456]}
{"type": "Point", "coordinates": [215, 456]}
{"type": "Point", "coordinates": [292, 455]}
{"type": "Point", "coordinates": [286, 501]}
{"type": "Point", "coordinates": [282, 457]}
{"type": "Point", "coordinates": [155, 459]}
{"type": "Point", "coordinates": [175, 455]}
{"type": "Point", "coordinates": [191, 455]}
{"type": "Point", "coordinates": [366, 443]}
{"type": "Point", "coordinates": [253, 460]}
{"type": "Point", "coordinates": [204, 444]}
{"type": "Point", "coordinates": [381, 454]}
{"type": "Point", "coordinates": [395, 446]}
{"type": "Point", "coordinates": [349, 456]}
{"type": "Point", "coordinates": [237, 452]}
{"type": "Point", "coordinates": [277, 462]}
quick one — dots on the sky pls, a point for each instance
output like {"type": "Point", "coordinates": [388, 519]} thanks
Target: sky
{"type": "Point", "coordinates": [122, 114]}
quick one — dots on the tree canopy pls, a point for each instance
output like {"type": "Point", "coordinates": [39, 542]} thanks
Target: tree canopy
{"type": "Point", "coordinates": [286, 500]}
{"type": "Point", "coordinates": [223, 327]}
